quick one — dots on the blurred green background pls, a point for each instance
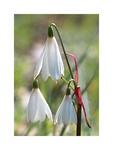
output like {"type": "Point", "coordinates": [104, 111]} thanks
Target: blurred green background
{"type": "Point", "coordinates": [80, 35]}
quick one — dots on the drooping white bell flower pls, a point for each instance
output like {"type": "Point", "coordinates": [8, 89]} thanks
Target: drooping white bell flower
{"type": "Point", "coordinates": [50, 62]}
{"type": "Point", "coordinates": [66, 113]}
{"type": "Point", "coordinates": [38, 108]}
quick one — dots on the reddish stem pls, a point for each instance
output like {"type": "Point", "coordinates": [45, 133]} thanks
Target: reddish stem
{"type": "Point", "coordinates": [77, 90]}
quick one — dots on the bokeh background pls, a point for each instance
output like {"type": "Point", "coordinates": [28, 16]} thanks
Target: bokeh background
{"type": "Point", "coordinates": [80, 35]}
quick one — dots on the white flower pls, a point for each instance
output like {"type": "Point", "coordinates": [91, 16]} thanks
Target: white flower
{"type": "Point", "coordinates": [50, 62]}
{"type": "Point", "coordinates": [37, 109]}
{"type": "Point", "coordinates": [66, 112]}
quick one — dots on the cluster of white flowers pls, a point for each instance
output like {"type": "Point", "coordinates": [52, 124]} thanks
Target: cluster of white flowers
{"type": "Point", "coordinates": [50, 64]}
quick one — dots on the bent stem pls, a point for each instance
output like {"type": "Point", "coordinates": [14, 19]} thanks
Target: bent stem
{"type": "Point", "coordinates": [78, 130]}
{"type": "Point", "coordinates": [67, 82]}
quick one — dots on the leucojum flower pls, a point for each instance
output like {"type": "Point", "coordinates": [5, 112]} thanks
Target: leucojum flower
{"type": "Point", "coordinates": [66, 112]}
{"type": "Point", "coordinates": [50, 64]}
{"type": "Point", "coordinates": [38, 108]}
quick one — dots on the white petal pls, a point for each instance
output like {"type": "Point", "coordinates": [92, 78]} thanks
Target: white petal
{"type": "Point", "coordinates": [66, 113]}
{"type": "Point", "coordinates": [38, 107]}
{"type": "Point", "coordinates": [32, 106]}
{"type": "Point", "coordinates": [43, 106]}
{"type": "Point", "coordinates": [72, 114]}
{"type": "Point", "coordinates": [55, 63]}
{"type": "Point", "coordinates": [45, 70]}
{"type": "Point", "coordinates": [38, 66]}
{"type": "Point", "coordinates": [58, 116]}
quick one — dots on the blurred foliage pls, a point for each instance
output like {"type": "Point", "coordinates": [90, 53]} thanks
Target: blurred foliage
{"type": "Point", "coordinates": [80, 36]}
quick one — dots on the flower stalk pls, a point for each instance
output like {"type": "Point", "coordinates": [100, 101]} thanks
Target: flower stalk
{"type": "Point", "coordinates": [78, 130]}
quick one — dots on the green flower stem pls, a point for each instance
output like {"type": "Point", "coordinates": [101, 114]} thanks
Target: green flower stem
{"type": "Point", "coordinates": [72, 80]}
{"type": "Point", "coordinates": [78, 130]}
{"type": "Point", "coordinates": [30, 127]}
{"type": "Point", "coordinates": [63, 130]}
{"type": "Point", "coordinates": [67, 82]}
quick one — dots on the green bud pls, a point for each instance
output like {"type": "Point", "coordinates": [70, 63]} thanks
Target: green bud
{"type": "Point", "coordinates": [50, 32]}
{"type": "Point", "coordinates": [68, 91]}
{"type": "Point", "coordinates": [35, 84]}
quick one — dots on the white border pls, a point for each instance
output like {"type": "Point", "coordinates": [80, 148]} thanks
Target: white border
{"type": "Point", "coordinates": [8, 8]}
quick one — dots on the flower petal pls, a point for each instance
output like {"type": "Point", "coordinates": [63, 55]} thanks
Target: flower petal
{"type": "Point", "coordinates": [66, 113]}
{"type": "Point", "coordinates": [32, 106]}
{"type": "Point", "coordinates": [72, 114]}
{"type": "Point", "coordinates": [43, 107]}
{"type": "Point", "coordinates": [38, 66]}
{"type": "Point", "coordinates": [55, 63]}
{"type": "Point", "coordinates": [58, 116]}
{"type": "Point", "coordinates": [45, 69]}
{"type": "Point", "coordinates": [38, 107]}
